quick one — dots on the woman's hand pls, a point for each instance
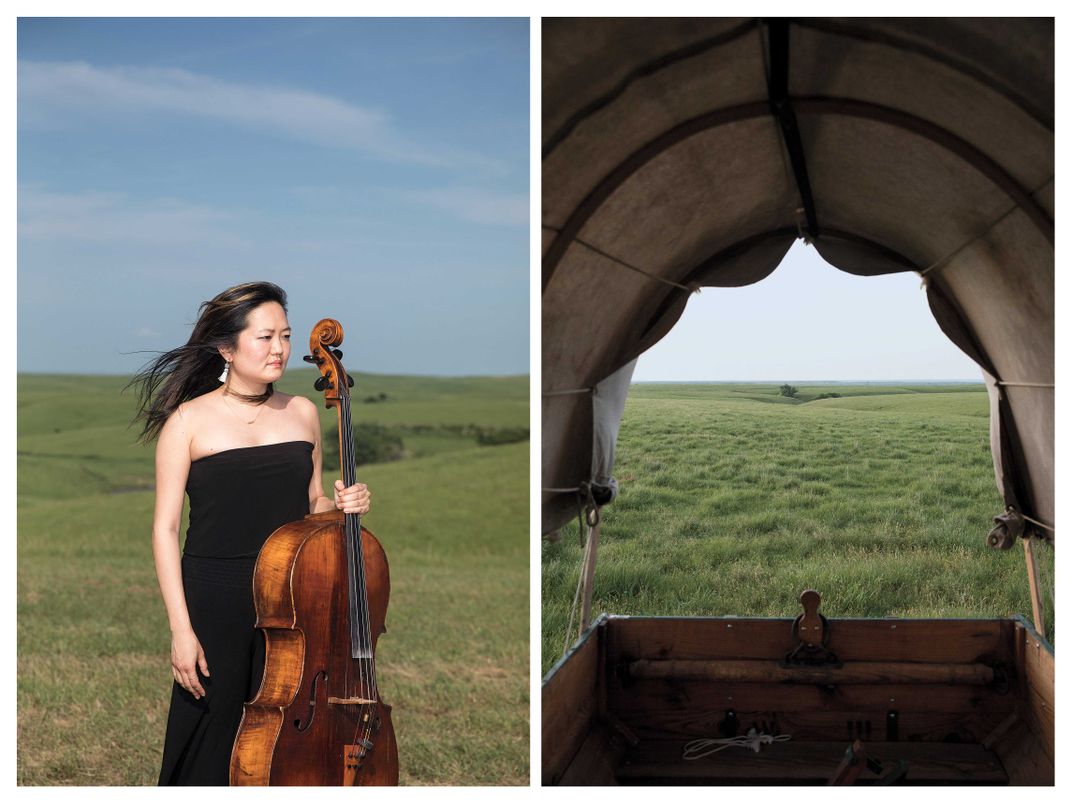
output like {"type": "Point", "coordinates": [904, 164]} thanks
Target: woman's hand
{"type": "Point", "coordinates": [355, 499]}
{"type": "Point", "coordinates": [186, 657]}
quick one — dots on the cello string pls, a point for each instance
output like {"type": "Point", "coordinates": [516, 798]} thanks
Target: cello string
{"type": "Point", "coordinates": [363, 591]}
{"type": "Point", "coordinates": [353, 522]}
{"type": "Point", "coordinates": [353, 542]}
{"type": "Point", "coordinates": [349, 689]}
{"type": "Point", "coordinates": [344, 468]}
{"type": "Point", "coordinates": [348, 473]}
{"type": "Point", "coordinates": [363, 600]}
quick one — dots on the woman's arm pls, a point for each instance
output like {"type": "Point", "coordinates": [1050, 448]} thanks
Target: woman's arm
{"type": "Point", "coordinates": [172, 469]}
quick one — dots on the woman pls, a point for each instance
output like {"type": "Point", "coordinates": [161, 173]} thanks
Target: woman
{"type": "Point", "coordinates": [249, 457]}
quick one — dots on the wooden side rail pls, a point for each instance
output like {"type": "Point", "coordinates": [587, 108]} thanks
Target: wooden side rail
{"type": "Point", "coordinates": [799, 762]}
{"type": "Point", "coordinates": [752, 671]}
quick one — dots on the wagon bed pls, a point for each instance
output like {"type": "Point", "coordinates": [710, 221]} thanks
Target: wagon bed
{"type": "Point", "coordinates": [933, 701]}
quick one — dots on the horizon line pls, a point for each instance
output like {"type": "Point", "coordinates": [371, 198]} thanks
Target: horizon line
{"type": "Point", "coordinates": [948, 381]}
{"type": "Point", "coordinates": [297, 368]}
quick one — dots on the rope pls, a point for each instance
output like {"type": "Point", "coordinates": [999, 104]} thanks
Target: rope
{"type": "Point", "coordinates": [577, 592]}
{"type": "Point", "coordinates": [704, 747]}
{"type": "Point", "coordinates": [587, 512]}
{"type": "Point", "coordinates": [560, 491]}
{"type": "Point", "coordinates": [1036, 522]}
{"type": "Point", "coordinates": [945, 260]}
{"type": "Point", "coordinates": [1025, 384]}
{"type": "Point", "coordinates": [591, 390]}
{"type": "Point", "coordinates": [624, 264]}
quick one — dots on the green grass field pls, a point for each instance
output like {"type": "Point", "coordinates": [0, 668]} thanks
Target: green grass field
{"type": "Point", "coordinates": [733, 499]}
{"type": "Point", "coordinates": [94, 674]}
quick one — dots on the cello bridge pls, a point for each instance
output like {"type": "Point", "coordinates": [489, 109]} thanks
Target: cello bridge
{"type": "Point", "coordinates": [350, 701]}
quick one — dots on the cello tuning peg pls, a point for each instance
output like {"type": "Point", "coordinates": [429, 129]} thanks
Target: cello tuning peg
{"type": "Point", "coordinates": [309, 359]}
{"type": "Point", "coordinates": [321, 383]}
{"type": "Point", "coordinates": [349, 381]}
{"type": "Point", "coordinates": [337, 353]}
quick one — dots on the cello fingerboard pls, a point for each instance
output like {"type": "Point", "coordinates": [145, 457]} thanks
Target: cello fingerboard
{"type": "Point", "coordinates": [360, 631]}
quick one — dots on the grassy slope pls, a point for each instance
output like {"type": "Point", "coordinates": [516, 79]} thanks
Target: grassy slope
{"type": "Point", "coordinates": [93, 643]}
{"type": "Point", "coordinates": [730, 506]}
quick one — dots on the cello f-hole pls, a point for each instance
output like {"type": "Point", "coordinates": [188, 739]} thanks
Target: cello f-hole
{"type": "Point", "coordinates": [311, 712]}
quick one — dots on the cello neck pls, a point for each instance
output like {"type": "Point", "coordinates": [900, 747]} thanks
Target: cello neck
{"type": "Point", "coordinates": [360, 632]}
{"type": "Point", "coordinates": [335, 383]}
{"type": "Point", "coordinates": [347, 452]}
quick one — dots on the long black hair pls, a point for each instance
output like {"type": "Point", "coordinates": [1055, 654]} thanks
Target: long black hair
{"type": "Point", "coordinates": [192, 369]}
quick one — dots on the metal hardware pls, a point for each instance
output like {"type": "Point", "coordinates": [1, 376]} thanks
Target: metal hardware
{"type": "Point", "coordinates": [729, 725]}
{"type": "Point", "coordinates": [812, 632]}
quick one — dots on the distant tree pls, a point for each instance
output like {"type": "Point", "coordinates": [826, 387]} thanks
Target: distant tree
{"type": "Point", "coordinates": [491, 436]}
{"type": "Point", "coordinates": [787, 390]}
{"type": "Point", "coordinates": [373, 443]}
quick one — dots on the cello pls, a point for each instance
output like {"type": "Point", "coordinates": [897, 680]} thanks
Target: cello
{"type": "Point", "coordinates": [320, 588]}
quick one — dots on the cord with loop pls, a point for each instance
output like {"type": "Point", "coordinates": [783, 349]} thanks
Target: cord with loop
{"type": "Point", "coordinates": [698, 749]}
{"type": "Point", "coordinates": [1036, 522]}
{"type": "Point", "coordinates": [691, 288]}
{"type": "Point", "coordinates": [567, 391]}
{"type": "Point", "coordinates": [586, 504]}
{"type": "Point", "coordinates": [972, 241]}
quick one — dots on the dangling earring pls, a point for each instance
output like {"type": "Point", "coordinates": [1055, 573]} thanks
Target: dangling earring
{"type": "Point", "coordinates": [226, 368]}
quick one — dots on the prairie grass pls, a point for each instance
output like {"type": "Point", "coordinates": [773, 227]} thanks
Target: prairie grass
{"type": "Point", "coordinates": [733, 499]}
{"type": "Point", "coordinates": [93, 670]}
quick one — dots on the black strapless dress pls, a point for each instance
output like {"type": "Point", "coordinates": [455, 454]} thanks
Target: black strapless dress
{"type": "Point", "coordinates": [238, 497]}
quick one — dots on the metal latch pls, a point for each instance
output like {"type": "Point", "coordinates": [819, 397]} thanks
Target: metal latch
{"type": "Point", "coordinates": [811, 630]}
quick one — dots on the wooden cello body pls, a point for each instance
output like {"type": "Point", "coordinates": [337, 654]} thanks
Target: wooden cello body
{"type": "Point", "coordinates": [321, 588]}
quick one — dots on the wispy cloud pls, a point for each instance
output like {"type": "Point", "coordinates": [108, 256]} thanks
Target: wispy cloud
{"type": "Point", "coordinates": [49, 87]}
{"type": "Point", "coordinates": [476, 205]}
{"type": "Point", "coordinates": [115, 217]}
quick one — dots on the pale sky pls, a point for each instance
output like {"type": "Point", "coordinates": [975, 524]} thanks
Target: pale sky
{"type": "Point", "coordinates": [376, 169]}
{"type": "Point", "coordinates": [808, 321]}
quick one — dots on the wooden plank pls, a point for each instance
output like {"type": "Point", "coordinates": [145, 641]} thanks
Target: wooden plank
{"type": "Point", "coordinates": [655, 697]}
{"type": "Point", "coordinates": [891, 640]}
{"type": "Point", "coordinates": [595, 761]}
{"type": "Point", "coordinates": [1036, 667]}
{"type": "Point", "coordinates": [824, 726]}
{"type": "Point", "coordinates": [802, 762]}
{"type": "Point", "coordinates": [1034, 584]}
{"type": "Point", "coordinates": [569, 702]}
{"type": "Point", "coordinates": [1041, 718]}
{"type": "Point", "coordinates": [695, 709]}
{"type": "Point", "coordinates": [758, 671]}
{"type": "Point", "coordinates": [1018, 750]}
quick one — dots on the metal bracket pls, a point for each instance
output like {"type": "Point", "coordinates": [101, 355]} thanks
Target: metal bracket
{"type": "Point", "coordinates": [857, 759]}
{"type": "Point", "coordinates": [812, 632]}
{"type": "Point", "coordinates": [1008, 527]}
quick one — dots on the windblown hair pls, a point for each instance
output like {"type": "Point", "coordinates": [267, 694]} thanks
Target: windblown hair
{"type": "Point", "coordinates": [193, 369]}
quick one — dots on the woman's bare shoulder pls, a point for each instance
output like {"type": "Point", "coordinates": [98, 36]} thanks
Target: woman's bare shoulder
{"type": "Point", "coordinates": [194, 408]}
{"type": "Point", "coordinates": [297, 403]}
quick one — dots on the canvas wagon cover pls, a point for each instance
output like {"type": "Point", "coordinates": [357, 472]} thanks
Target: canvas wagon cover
{"type": "Point", "coordinates": [680, 153]}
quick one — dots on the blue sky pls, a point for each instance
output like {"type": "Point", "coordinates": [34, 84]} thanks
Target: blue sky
{"type": "Point", "coordinates": [808, 321]}
{"type": "Point", "coordinates": [377, 169]}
